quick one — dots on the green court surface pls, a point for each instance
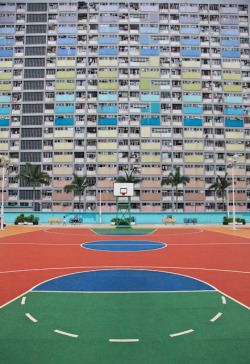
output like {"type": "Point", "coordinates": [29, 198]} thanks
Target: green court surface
{"type": "Point", "coordinates": [148, 317]}
{"type": "Point", "coordinates": [123, 231]}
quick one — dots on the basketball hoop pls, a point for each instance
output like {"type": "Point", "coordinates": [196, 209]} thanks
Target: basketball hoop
{"type": "Point", "coordinates": [123, 193]}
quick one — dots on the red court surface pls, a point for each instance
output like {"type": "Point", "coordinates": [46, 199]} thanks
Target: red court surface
{"type": "Point", "coordinates": [221, 260]}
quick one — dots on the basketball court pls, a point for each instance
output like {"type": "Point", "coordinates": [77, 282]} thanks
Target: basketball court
{"type": "Point", "coordinates": [125, 296]}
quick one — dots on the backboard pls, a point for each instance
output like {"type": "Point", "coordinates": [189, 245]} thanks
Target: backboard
{"type": "Point", "coordinates": [123, 189]}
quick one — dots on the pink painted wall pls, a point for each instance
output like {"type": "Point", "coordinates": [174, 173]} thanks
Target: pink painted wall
{"type": "Point", "coordinates": [151, 209]}
{"type": "Point", "coordinates": [238, 208]}
{"type": "Point", "coordinates": [62, 208]}
{"type": "Point", "coordinates": [195, 208]}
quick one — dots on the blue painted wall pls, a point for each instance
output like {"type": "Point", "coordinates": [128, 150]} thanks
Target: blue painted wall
{"type": "Point", "coordinates": [64, 109]}
{"type": "Point", "coordinates": [192, 122]}
{"type": "Point", "coordinates": [66, 52]}
{"type": "Point", "coordinates": [64, 121]}
{"type": "Point", "coordinates": [150, 121]}
{"type": "Point", "coordinates": [140, 217]}
{"type": "Point", "coordinates": [67, 30]}
{"type": "Point", "coordinates": [192, 110]}
{"type": "Point", "coordinates": [107, 121]}
{"type": "Point", "coordinates": [234, 123]}
{"type": "Point", "coordinates": [4, 122]}
{"type": "Point", "coordinates": [62, 41]}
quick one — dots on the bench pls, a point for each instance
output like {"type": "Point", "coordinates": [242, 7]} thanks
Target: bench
{"type": "Point", "coordinates": [80, 221]}
{"type": "Point", "coordinates": [168, 220]}
{"type": "Point", "coordinates": [55, 220]}
{"type": "Point", "coordinates": [190, 221]}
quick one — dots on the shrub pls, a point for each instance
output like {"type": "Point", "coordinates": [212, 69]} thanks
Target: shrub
{"type": "Point", "coordinates": [122, 222]}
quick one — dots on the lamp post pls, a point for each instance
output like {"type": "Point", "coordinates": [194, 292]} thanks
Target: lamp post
{"type": "Point", "coordinates": [4, 161]}
{"type": "Point", "coordinates": [233, 161]}
{"type": "Point", "coordinates": [100, 211]}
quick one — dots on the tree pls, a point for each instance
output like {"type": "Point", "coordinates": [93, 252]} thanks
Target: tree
{"type": "Point", "coordinates": [129, 178]}
{"type": "Point", "coordinates": [175, 179]}
{"type": "Point", "coordinates": [32, 175]}
{"type": "Point", "coordinates": [221, 184]}
{"type": "Point", "coordinates": [78, 185]}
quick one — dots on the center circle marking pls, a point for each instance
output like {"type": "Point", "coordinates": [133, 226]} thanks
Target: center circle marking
{"type": "Point", "coordinates": [124, 245]}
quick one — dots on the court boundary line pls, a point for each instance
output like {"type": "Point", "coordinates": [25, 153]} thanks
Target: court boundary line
{"type": "Point", "coordinates": [196, 232]}
{"type": "Point", "coordinates": [128, 267]}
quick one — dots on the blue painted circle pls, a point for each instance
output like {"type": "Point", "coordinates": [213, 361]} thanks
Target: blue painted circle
{"type": "Point", "coordinates": [123, 245]}
{"type": "Point", "coordinates": [123, 280]}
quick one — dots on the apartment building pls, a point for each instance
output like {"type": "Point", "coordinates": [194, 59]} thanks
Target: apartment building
{"type": "Point", "coordinates": [100, 88]}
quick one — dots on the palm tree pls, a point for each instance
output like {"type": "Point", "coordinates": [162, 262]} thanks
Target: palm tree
{"type": "Point", "coordinates": [175, 179]}
{"type": "Point", "coordinates": [221, 184]}
{"type": "Point", "coordinates": [32, 175]}
{"type": "Point", "coordinates": [79, 184]}
{"type": "Point", "coordinates": [129, 178]}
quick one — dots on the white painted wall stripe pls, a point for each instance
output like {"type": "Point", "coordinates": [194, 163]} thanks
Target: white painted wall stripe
{"type": "Point", "coordinates": [30, 317]}
{"type": "Point", "coordinates": [65, 333]}
{"type": "Point", "coordinates": [223, 300]}
{"type": "Point", "coordinates": [23, 301]}
{"type": "Point", "coordinates": [216, 317]}
{"type": "Point", "coordinates": [123, 340]}
{"type": "Point", "coordinates": [182, 333]}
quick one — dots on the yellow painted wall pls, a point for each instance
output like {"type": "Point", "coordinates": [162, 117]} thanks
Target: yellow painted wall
{"type": "Point", "coordinates": [64, 133]}
{"type": "Point", "coordinates": [193, 146]}
{"type": "Point", "coordinates": [108, 74]}
{"type": "Point", "coordinates": [191, 64]}
{"type": "Point", "coordinates": [195, 75]}
{"type": "Point", "coordinates": [107, 85]}
{"type": "Point", "coordinates": [145, 132]}
{"type": "Point", "coordinates": [103, 158]}
{"type": "Point", "coordinates": [65, 74]}
{"type": "Point", "coordinates": [151, 158]}
{"type": "Point", "coordinates": [192, 134]}
{"type": "Point", "coordinates": [150, 146]}
{"type": "Point", "coordinates": [63, 158]}
{"type": "Point", "coordinates": [191, 86]}
{"type": "Point", "coordinates": [108, 63]}
{"type": "Point", "coordinates": [234, 88]}
{"type": "Point", "coordinates": [234, 135]}
{"type": "Point", "coordinates": [193, 158]}
{"type": "Point", "coordinates": [107, 145]}
{"type": "Point", "coordinates": [63, 146]}
{"type": "Point", "coordinates": [235, 147]}
{"type": "Point", "coordinates": [232, 76]}
{"type": "Point", "coordinates": [107, 133]}
{"type": "Point", "coordinates": [145, 84]}
{"type": "Point", "coordinates": [4, 134]}
{"type": "Point", "coordinates": [5, 87]}
{"type": "Point", "coordinates": [5, 64]}
{"type": "Point", "coordinates": [232, 65]}
{"type": "Point", "coordinates": [5, 75]}
{"type": "Point", "coordinates": [154, 61]}
{"type": "Point", "coordinates": [4, 146]}
{"type": "Point", "coordinates": [65, 86]}
{"type": "Point", "coordinates": [65, 63]}
{"type": "Point", "coordinates": [150, 74]}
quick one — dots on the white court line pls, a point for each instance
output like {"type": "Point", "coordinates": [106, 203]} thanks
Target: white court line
{"type": "Point", "coordinates": [65, 333]}
{"type": "Point", "coordinates": [123, 340]}
{"type": "Point", "coordinates": [224, 300]}
{"type": "Point", "coordinates": [182, 333]}
{"type": "Point", "coordinates": [124, 267]}
{"type": "Point", "coordinates": [23, 301]}
{"type": "Point", "coordinates": [52, 232]}
{"type": "Point", "coordinates": [30, 317]}
{"type": "Point", "coordinates": [216, 317]}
